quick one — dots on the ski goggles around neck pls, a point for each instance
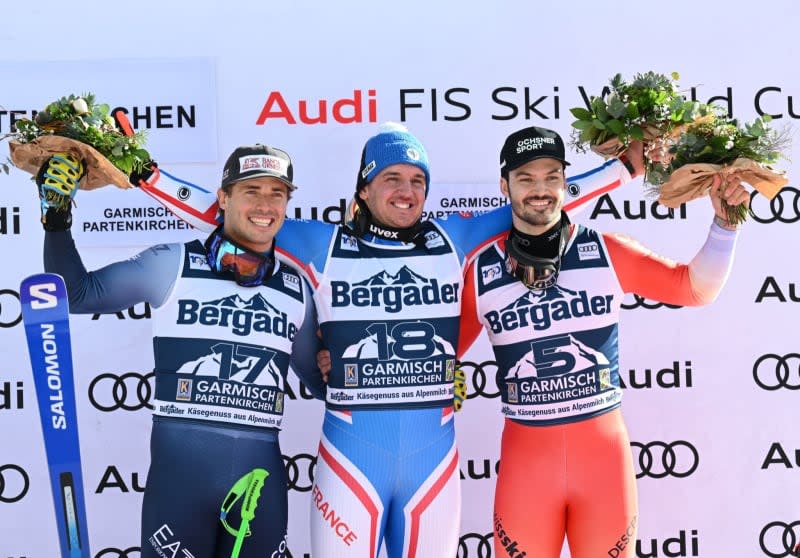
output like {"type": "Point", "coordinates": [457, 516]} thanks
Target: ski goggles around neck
{"type": "Point", "coordinates": [248, 268]}
{"type": "Point", "coordinates": [535, 272]}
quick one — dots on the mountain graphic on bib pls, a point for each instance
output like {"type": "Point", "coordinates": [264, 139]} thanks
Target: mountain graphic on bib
{"type": "Point", "coordinates": [533, 298]}
{"type": "Point", "coordinates": [256, 303]}
{"type": "Point", "coordinates": [404, 276]}
{"type": "Point", "coordinates": [241, 370]}
{"type": "Point", "coordinates": [580, 356]}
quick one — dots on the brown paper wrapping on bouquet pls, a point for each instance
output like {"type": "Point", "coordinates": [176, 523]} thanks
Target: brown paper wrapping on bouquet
{"type": "Point", "coordinates": [693, 181]}
{"type": "Point", "coordinates": [609, 148]}
{"type": "Point", "coordinates": [614, 147]}
{"type": "Point", "coordinates": [99, 170]}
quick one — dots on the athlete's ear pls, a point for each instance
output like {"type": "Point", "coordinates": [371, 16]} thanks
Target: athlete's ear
{"type": "Point", "coordinates": [222, 196]}
{"type": "Point", "coordinates": [362, 193]}
{"type": "Point", "coordinates": [504, 187]}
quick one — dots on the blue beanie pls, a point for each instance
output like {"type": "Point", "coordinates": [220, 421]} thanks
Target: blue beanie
{"type": "Point", "coordinates": [392, 145]}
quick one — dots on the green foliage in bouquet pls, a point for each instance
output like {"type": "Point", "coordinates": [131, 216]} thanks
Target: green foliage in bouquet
{"type": "Point", "coordinates": [81, 119]}
{"type": "Point", "coordinates": [719, 140]}
{"type": "Point", "coordinates": [650, 106]}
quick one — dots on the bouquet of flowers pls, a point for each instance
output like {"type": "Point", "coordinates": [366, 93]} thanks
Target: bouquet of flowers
{"type": "Point", "coordinates": [684, 166]}
{"type": "Point", "coordinates": [648, 108]}
{"type": "Point", "coordinates": [686, 144]}
{"type": "Point", "coordinates": [78, 125]}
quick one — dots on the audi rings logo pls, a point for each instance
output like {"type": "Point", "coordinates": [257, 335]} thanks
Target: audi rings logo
{"type": "Point", "coordinates": [480, 378]}
{"type": "Point", "coordinates": [474, 545]}
{"type": "Point", "coordinates": [772, 372]}
{"type": "Point", "coordinates": [119, 553]}
{"type": "Point", "coordinates": [300, 471]}
{"type": "Point", "coordinates": [661, 459]}
{"type": "Point", "coordinates": [14, 483]}
{"type": "Point", "coordinates": [779, 539]}
{"type": "Point", "coordinates": [785, 207]}
{"type": "Point", "coordinates": [130, 391]}
{"type": "Point", "coordinates": [10, 308]}
{"type": "Point", "coordinates": [641, 302]}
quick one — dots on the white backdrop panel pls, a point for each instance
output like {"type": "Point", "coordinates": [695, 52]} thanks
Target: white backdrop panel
{"type": "Point", "coordinates": [462, 76]}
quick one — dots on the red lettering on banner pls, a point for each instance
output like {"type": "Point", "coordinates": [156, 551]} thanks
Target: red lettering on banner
{"type": "Point", "coordinates": [339, 527]}
{"type": "Point", "coordinates": [267, 112]}
{"type": "Point", "coordinates": [356, 105]}
{"type": "Point", "coordinates": [348, 110]}
{"type": "Point", "coordinates": [322, 117]}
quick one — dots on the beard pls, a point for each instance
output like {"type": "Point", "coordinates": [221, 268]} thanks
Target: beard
{"type": "Point", "coordinates": [535, 217]}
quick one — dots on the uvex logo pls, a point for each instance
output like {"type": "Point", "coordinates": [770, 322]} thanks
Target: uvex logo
{"type": "Point", "coordinates": [393, 292]}
{"type": "Point", "coordinates": [241, 316]}
{"type": "Point", "coordinates": [539, 309]}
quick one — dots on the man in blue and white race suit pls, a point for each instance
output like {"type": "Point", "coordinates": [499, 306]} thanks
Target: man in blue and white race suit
{"type": "Point", "coordinates": [228, 318]}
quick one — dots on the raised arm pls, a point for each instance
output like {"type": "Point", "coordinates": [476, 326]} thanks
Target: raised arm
{"type": "Point", "coordinates": [305, 244]}
{"type": "Point", "coordinates": [146, 277]}
{"type": "Point", "coordinates": [641, 271]}
{"type": "Point", "coordinates": [658, 278]}
{"type": "Point", "coordinates": [472, 233]}
{"type": "Point", "coordinates": [194, 204]}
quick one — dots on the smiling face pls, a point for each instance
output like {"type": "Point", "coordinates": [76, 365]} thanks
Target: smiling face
{"type": "Point", "coordinates": [536, 190]}
{"type": "Point", "coordinates": [395, 197]}
{"type": "Point", "coordinates": [254, 211]}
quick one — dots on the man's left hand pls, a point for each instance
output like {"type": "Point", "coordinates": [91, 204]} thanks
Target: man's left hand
{"type": "Point", "coordinates": [730, 190]}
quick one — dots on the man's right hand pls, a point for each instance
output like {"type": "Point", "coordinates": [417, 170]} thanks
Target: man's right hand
{"type": "Point", "coordinates": [136, 178]}
{"type": "Point", "coordinates": [635, 156]}
{"type": "Point", "coordinates": [324, 363]}
{"type": "Point", "coordinates": [58, 180]}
